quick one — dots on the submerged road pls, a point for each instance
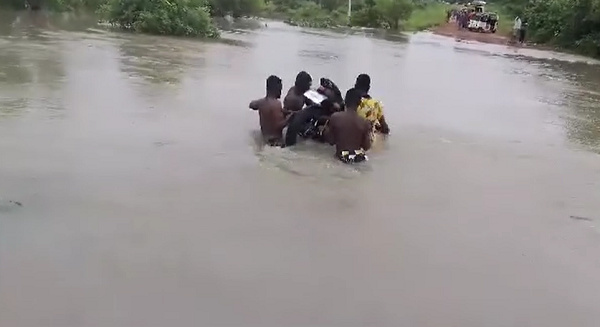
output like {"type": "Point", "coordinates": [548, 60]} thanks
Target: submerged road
{"type": "Point", "coordinates": [146, 201]}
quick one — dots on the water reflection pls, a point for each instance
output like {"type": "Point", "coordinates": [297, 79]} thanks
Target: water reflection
{"type": "Point", "coordinates": [32, 25]}
{"type": "Point", "coordinates": [583, 118]}
{"type": "Point", "coordinates": [7, 19]}
{"type": "Point", "coordinates": [158, 60]}
{"type": "Point", "coordinates": [31, 68]}
{"type": "Point", "coordinates": [579, 99]}
{"type": "Point", "coordinates": [12, 71]}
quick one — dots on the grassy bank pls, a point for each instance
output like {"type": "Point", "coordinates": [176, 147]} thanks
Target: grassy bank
{"type": "Point", "coordinates": [505, 22]}
{"type": "Point", "coordinates": [426, 17]}
{"type": "Point", "coordinates": [434, 14]}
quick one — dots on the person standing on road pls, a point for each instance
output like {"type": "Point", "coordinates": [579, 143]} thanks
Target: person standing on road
{"type": "Point", "coordinates": [517, 28]}
{"type": "Point", "coordinates": [522, 32]}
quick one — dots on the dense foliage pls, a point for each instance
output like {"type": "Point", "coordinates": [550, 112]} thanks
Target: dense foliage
{"type": "Point", "coordinates": [164, 17]}
{"type": "Point", "coordinates": [571, 24]}
{"type": "Point", "coordinates": [365, 13]}
{"type": "Point", "coordinates": [168, 17]}
{"type": "Point", "coordinates": [193, 17]}
{"type": "Point", "coordinates": [236, 8]}
{"type": "Point", "coordinates": [311, 14]}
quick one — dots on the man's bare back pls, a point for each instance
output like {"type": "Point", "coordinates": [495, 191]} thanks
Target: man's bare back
{"type": "Point", "coordinates": [270, 112]}
{"type": "Point", "coordinates": [293, 101]}
{"type": "Point", "coordinates": [349, 132]}
{"type": "Point", "coordinates": [272, 119]}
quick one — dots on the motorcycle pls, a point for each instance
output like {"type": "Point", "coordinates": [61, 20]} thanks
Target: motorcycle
{"type": "Point", "coordinates": [310, 122]}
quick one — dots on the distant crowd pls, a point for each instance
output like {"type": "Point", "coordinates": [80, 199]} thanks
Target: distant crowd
{"type": "Point", "coordinates": [463, 16]}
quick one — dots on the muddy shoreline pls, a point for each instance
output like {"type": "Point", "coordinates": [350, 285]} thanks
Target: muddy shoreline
{"type": "Point", "coordinates": [451, 30]}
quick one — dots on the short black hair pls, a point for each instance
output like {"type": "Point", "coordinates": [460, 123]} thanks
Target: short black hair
{"type": "Point", "coordinates": [363, 82]}
{"type": "Point", "coordinates": [273, 84]}
{"type": "Point", "coordinates": [303, 80]}
{"type": "Point", "coordinates": [329, 84]}
{"type": "Point", "coordinates": [353, 98]}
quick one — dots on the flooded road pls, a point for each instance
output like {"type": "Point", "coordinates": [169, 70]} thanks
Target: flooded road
{"type": "Point", "coordinates": [147, 202]}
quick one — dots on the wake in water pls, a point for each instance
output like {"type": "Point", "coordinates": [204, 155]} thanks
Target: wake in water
{"type": "Point", "coordinates": [307, 159]}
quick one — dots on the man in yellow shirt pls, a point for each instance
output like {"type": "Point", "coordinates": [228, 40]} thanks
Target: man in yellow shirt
{"type": "Point", "coordinates": [369, 108]}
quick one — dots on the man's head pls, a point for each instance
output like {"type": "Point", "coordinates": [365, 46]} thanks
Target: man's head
{"type": "Point", "coordinates": [353, 98]}
{"type": "Point", "coordinates": [328, 88]}
{"type": "Point", "coordinates": [303, 82]}
{"type": "Point", "coordinates": [274, 86]}
{"type": "Point", "coordinates": [363, 83]}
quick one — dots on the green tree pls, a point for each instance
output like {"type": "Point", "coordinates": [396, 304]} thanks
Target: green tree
{"type": "Point", "coordinates": [166, 17]}
{"type": "Point", "coordinates": [367, 16]}
{"type": "Point", "coordinates": [311, 14]}
{"type": "Point", "coordinates": [331, 5]}
{"type": "Point", "coordinates": [236, 8]}
{"type": "Point", "coordinates": [394, 11]}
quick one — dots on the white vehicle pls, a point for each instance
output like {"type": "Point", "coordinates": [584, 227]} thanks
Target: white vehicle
{"type": "Point", "coordinates": [484, 22]}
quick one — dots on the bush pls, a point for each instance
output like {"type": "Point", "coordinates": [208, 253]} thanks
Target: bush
{"type": "Point", "coordinates": [571, 24]}
{"type": "Point", "coordinates": [367, 17]}
{"type": "Point", "coordinates": [424, 17]}
{"type": "Point", "coordinates": [310, 14]}
{"type": "Point", "coordinates": [67, 5]}
{"type": "Point", "coordinates": [16, 4]}
{"type": "Point", "coordinates": [163, 17]}
{"type": "Point", "coordinates": [394, 11]}
{"type": "Point", "coordinates": [236, 8]}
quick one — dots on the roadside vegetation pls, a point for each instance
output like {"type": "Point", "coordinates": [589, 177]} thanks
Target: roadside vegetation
{"type": "Point", "coordinates": [330, 13]}
{"type": "Point", "coordinates": [572, 25]}
{"type": "Point", "coordinates": [180, 18]}
{"type": "Point", "coordinates": [194, 17]}
{"type": "Point", "coordinates": [427, 16]}
{"type": "Point", "coordinates": [569, 24]}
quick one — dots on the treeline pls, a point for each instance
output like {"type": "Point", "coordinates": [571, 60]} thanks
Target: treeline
{"type": "Point", "coordinates": [570, 24]}
{"type": "Point", "coordinates": [163, 17]}
{"type": "Point", "coordinates": [365, 13]}
{"type": "Point", "coordinates": [194, 17]}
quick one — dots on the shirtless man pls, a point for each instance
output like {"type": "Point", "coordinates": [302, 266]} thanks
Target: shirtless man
{"type": "Point", "coordinates": [349, 132]}
{"type": "Point", "coordinates": [272, 119]}
{"type": "Point", "coordinates": [295, 100]}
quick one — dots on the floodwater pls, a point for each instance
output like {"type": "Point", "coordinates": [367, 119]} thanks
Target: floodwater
{"type": "Point", "coordinates": [146, 201]}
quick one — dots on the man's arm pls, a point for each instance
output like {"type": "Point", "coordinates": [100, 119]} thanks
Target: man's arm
{"type": "Point", "coordinates": [329, 132]}
{"type": "Point", "coordinates": [291, 102]}
{"type": "Point", "coordinates": [383, 126]}
{"type": "Point", "coordinates": [255, 104]}
{"type": "Point", "coordinates": [366, 142]}
{"type": "Point", "coordinates": [278, 117]}
{"type": "Point", "coordinates": [287, 118]}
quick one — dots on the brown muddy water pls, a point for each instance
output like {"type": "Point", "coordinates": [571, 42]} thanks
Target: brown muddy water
{"type": "Point", "coordinates": [147, 202]}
